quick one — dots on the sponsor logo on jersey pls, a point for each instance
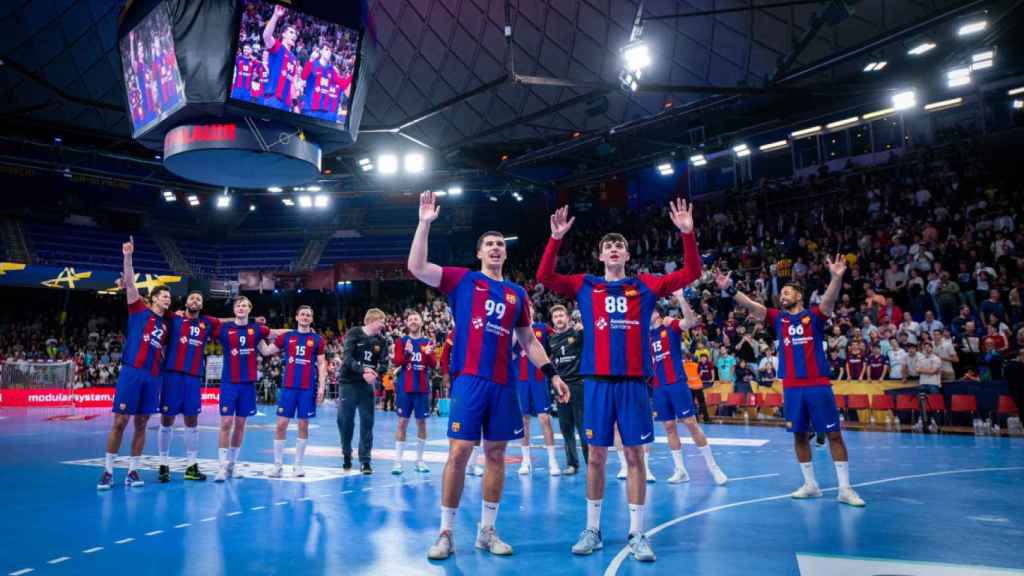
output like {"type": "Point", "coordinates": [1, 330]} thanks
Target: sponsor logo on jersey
{"type": "Point", "coordinates": [571, 339]}
{"type": "Point", "coordinates": [183, 339]}
{"type": "Point", "coordinates": [123, 406]}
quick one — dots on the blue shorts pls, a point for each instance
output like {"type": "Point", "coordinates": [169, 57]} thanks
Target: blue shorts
{"type": "Point", "coordinates": [673, 402]}
{"type": "Point", "coordinates": [296, 402]}
{"type": "Point", "coordinates": [237, 399]}
{"type": "Point", "coordinates": [479, 404]}
{"type": "Point", "coordinates": [534, 397]}
{"type": "Point", "coordinates": [180, 394]}
{"type": "Point", "coordinates": [137, 392]}
{"type": "Point", "coordinates": [812, 405]}
{"type": "Point", "coordinates": [412, 404]}
{"type": "Point", "coordinates": [623, 402]}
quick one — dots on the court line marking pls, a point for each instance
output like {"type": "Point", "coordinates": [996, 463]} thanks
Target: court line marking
{"type": "Point", "coordinates": [210, 519]}
{"type": "Point", "coordinates": [616, 563]}
{"type": "Point", "coordinates": [59, 560]}
{"type": "Point", "coordinates": [91, 550]}
{"type": "Point", "coordinates": [255, 508]}
{"type": "Point", "coordinates": [125, 540]}
{"type": "Point", "coordinates": [154, 532]}
{"type": "Point", "coordinates": [235, 513]}
{"type": "Point", "coordinates": [183, 525]}
{"type": "Point", "coordinates": [753, 477]}
{"type": "Point", "coordinates": [281, 503]}
{"type": "Point", "coordinates": [22, 571]}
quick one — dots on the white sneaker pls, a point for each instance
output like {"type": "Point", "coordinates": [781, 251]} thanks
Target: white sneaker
{"type": "Point", "coordinates": [443, 548]}
{"type": "Point", "coordinates": [719, 476]}
{"type": "Point", "coordinates": [487, 539]}
{"type": "Point", "coordinates": [231, 469]}
{"type": "Point", "coordinates": [806, 491]}
{"type": "Point", "coordinates": [277, 471]}
{"type": "Point", "coordinates": [525, 469]}
{"type": "Point", "coordinates": [679, 476]}
{"type": "Point", "coordinates": [623, 473]}
{"type": "Point", "coordinates": [478, 470]}
{"type": "Point", "coordinates": [222, 473]}
{"type": "Point", "coordinates": [421, 466]}
{"type": "Point", "coordinates": [397, 468]}
{"type": "Point", "coordinates": [849, 497]}
{"type": "Point", "coordinates": [650, 477]}
{"type": "Point", "coordinates": [297, 470]}
{"type": "Point", "coordinates": [554, 469]}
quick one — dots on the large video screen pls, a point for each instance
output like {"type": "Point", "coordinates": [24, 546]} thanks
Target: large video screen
{"type": "Point", "coordinates": [152, 81]}
{"type": "Point", "coordinates": [290, 61]}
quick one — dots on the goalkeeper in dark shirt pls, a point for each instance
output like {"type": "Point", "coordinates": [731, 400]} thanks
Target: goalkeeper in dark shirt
{"type": "Point", "coordinates": [364, 360]}
{"type": "Point", "coordinates": [565, 346]}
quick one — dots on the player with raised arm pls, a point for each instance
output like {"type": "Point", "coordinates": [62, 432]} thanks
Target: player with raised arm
{"type": "Point", "coordinates": [305, 365]}
{"type": "Point", "coordinates": [535, 400]}
{"type": "Point", "coordinates": [239, 339]}
{"type": "Point", "coordinates": [282, 64]}
{"type": "Point", "coordinates": [318, 78]}
{"type": "Point", "coordinates": [138, 385]}
{"type": "Point", "coordinates": [487, 310]}
{"type": "Point", "coordinates": [804, 371]}
{"type": "Point", "coordinates": [414, 358]}
{"type": "Point", "coordinates": [616, 314]}
{"type": "Point", "coordinates": [672, 398]}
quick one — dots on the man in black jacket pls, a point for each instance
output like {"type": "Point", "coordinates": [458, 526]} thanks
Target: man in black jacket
{"type": "Point", "coordinates": [565, 345]}
{"type": "Point", "coordinates": [364, 361]}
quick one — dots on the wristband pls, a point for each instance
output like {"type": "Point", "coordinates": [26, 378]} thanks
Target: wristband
{"type": "Point", "coordinates": [731, 291]}
{"type": "Point", "coordinates": [549, 370]}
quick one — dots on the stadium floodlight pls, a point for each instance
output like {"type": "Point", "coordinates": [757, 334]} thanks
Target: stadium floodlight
{"type": "Point", "coordinates": [1015, 91]}
{"type": "Point", "coordinates": [1018, 104]}
{"type": "Point", "coordinates": [455, 190]}
{"type": "Point", "coordinates": [637, 56]}
{"type": "Point", "coordinates": [288, 201]}
{"type": "Point", "coordinates": [415, 162]}
{"type": "Point", "coordinates": [698, 160]}
{"type": "Point", "coordinates": [252, 207]}
{"type": "Point", "coordinates": [985, 55]}
{"type": "Point", "coordinates": [958, 77]}
{"type": "Point", "coordinates": [876, 66]}
{"type": "Point", "coordinates": [275, 190]}
{"type": "Point", "coordinates": [169, 196]}
{"type": "Point", "coordinates": [305, 201]}
{"type": "Point", "coordinates": [517, 196]}
{"type": "Point", "coordinates": [223, 201]}
{"type": "Point", "coordinates": [440, 192]}
{"type": "Point", "coordinates": [972, 27]}
{"type": "Point", "coordinates": [772, 146]}
{"type": "Point", "coordinates": [366, 164]}
{"type": "Point", "coordinates": [922, 48]}
{"type": "Point", "coordinates": [843, 122]}
{"type": "Point", "coordinates": [313, 188]}
{"type": "Point", "coordinates": [320, 200]}
{"type": "Point", "coordinates": [665, 169]}
{"type": "Point", "coordinates": [387, 164]}
{"type": "Point", "coordinates": [364, 161]}
{"type": "Point", "coordinates": [492, 198]}
{"type": "Point", "coordinates": [878, 113]}
{"type": "Point", "coordinates": [806, 132]}
{"type": "Point", "coordinates": [741, 150]}
{"type": "Point", "coordinates": [904, 100]}
{"type": "Point", "coordinates": [943, 104]}
{"type": "Point", "coordinates": [982, 64]}
{"type": "Point", "coordinates": [193, 200]}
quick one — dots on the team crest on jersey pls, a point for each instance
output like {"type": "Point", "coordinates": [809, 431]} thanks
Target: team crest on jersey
{"type": "Point", "coordinates": [166, 408]}
{"type": "Point", "coordinates": [806, 320]}
{"type": "Point", "coordinates": [309, 342]}
{"type": "Point", "coordinates": [631, 292]}
{"type": "Point", "coordinates": [590, 434]}
{"type": "Point", "coordinates": [456, 426]}
{"type": "Point", "coordinates": [291, 360]}
{"type": "Point", "coordinates": [511, 298]}
{"type": "Point", "coordinates": [538, 333]}
{"type": "Point", "coordinates": [251, 331]}
{"type": "Point", "coordinates": [224, 409]}
{"type": "Point", "coordinates": [664, 333]}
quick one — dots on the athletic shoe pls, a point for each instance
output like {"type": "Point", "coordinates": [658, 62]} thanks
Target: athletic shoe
{"type": "Point", "coordinates": [569, 470]}
{"type": "Point", "coordinates": [277, 471]}
{"type": "Point", "coordinates": [134, 480]}
{"type": "Point", "coordinates": [443, 548]}
{"type": "Point", "coordinates": [347, 463]}
{"type": "Point", "coordinates": [422, 467]}
{"type": "Point", "coordinates": [164, 474]}
{"type": "Point", "coordinates": [487, 539]}
{"type": "Point", "coordinates": [679, 476]}
{"type": "Point", "coordinates": [222, 473]}
{"type": "Point", "coordinates": [623, 473]}
{"type": "Point", "coordinates": [719, 476]}
{"type": "Point", "coordinates": [588, 541]}
{"type": "Point", "coordinates": [640, 548]}
{"type": "Point", "coordinates": [806, 491]}
{"type": "Point", "coordinates": [849, 497]}
{"type": "Point", "coordinates": [554, 470]}
{"type": "Point", "coordinates": [193, 473]}
{"type": "Point", "coordinates": [231, 469]}
{"type": "Point", "coordinates": [525, 469]}
{"type": "Point", "coordinates": [397, 468]}
{"type": "Point", "coordinates": [365, 468]}
{"type": "Point", "coordinates": [298, 471]}
{"type": "Point", "coordinates": [106, 481]}
{"type": "Point", "coordinates": [478, 470]}
{"type": "Point", "coordinates": [650, 477]}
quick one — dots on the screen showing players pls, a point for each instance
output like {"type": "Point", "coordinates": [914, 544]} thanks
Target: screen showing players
{"type": "Point", "coordinates": [293, 62]}
{"type": "Point", "coordinates": [151, 77]}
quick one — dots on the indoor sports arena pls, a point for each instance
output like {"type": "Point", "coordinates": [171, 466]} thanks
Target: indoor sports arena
{"type": "Point", "coordinates": [499, 287]}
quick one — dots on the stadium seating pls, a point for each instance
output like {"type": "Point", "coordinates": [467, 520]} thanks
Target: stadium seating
{"type": "Point", "coordinates": [92, 248]}
{"type": "Point", "coordinates": [1006, 405]}
{"type": "Point", "coordinates": [228, 258]}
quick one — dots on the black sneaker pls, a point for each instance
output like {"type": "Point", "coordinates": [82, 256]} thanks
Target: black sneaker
{"type": "Point", "coordinates": [365, 468]}
{"type": "Point", "coordinates": [193, 473]}
{"type": "Point", "coordinates": [165, 474]}
{"type": "Point", "coordinates": [347, 463]}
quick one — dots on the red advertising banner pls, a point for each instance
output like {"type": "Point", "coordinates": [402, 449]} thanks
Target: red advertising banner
{"type": "Point", "coordinates": [84, 397]}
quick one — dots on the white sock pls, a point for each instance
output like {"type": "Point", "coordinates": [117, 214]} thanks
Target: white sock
{"type": "Point", "coordinates": [421, 443]}
{"type": "Point", "coordinates": [108, 462]}
{"type": "Point", "coordinates": [447, 517]}
{"type": "Point", "coordinates": [636, 518]}
{"type": "Point", "coordinates": [594, 514]}
{"type": "Point", "coordinates": [552, 461]}
{"type": "Point", "coordinates": [278, 451]}
{"type": "Point", "coordinates": [808, 469]}
{"type": "Point", "coordinates": [300, 450]}
{"type": "Point", "coordinates": [526, 455]}
{"type": "Point", "coordinates": [163, 440]}
{"type": "Point", "coordinates": [709, 459]}
{"type": "Point", "coordinates": [133, 463]}
{"type": "Point", "coordinates": [488, 513]}
{"type": "Point", "coordinates": [222, 456]}
{"type": "Point", "coordinates": [621, 452]}
{"type": "Point", "coordinates": [843, 472]}
{"type": "Point", "coordinates": [399, 448]}
{"type": "Point", "coordinates": [192, 444]}
{"type": "Point", "coordinates": [233, 453]}
{"type": "Point", "coordinates": [677, 459]}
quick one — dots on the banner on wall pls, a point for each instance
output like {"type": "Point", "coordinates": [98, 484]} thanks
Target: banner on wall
{"type": "Point", "coordinates": [72, 278]}
{"type": "Point", "coordinates": [82, 397]}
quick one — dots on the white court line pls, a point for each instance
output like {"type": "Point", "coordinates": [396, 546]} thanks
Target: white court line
{"type": "Point", "coordinates": [306, 499]}
{"type": "Point", "coordinates": [22, 571]}
{"type": "Point", "coordinates": [753, 477]}
{"type": "Point", "coordinates": [281, 503]}
{"type": "Point", "coordinates": [210, 519]}
{"type": "Point", "coordinates": [255, 508]}
{"type": "Point", "coordinates": [183, 525]}
{"type": "Point", "coordinates": [235, 513]}
{"type": "Point", "coordinates": [91, 550]}
{"type": "Point", "coordinates": [346, 491]}
{"type": "Point", "coordinates": [59, 560]}
{"type": "Point", "coordinates": [619, 558]}
{"type": "Point", "coordinates": [154, 532]}
{"type": "Point", "coordinates": [125, 540]}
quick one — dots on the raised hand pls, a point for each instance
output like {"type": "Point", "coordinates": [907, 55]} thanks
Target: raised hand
{"type": "Point", "coordinates": [682, 215]}
{"type": "Point", "coordinates": [561, 223]}
{"type": "Point", "coordinates": [428, 207]}
{"type": "Point", "coordinates": [836, 267]}
{"type": "Point", "coordinates": [128, 247]}
{"type": "Point", "coordinates": [723, 281]}
{"type": "Point", "coordinates": [278, 11]}
{"type": "Point", "coordinates": [408, 348]}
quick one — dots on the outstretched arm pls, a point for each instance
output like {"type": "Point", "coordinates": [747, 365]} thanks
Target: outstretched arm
{"type": "Point", "coordinates": [690, 318]}
{"type": "Point", "coordinates": [268, 30]}
{"type": "Point", "coordinates": [131, 291]}
{"type": "Point", "coordinates": [757, 311]}
{"type": "Point", "coordinates": [682, 216]}
{"type": "Point", "coordinates": [560, 284]}
{"type": "Point", "coordinates": [426, 272]}
{"type": "Point", "coordinates": [836, 268]}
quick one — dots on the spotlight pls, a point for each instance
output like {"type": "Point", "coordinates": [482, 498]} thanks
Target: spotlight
{"type": "Point", "coordinates": [981, 65]}
{"type": "Point", "coordinates": [843, 122]}
{"type": "Point", "coordinates": [698, 160]}
{"type": "Point", "coordinates": [876, 66]}
{"type": "Point", "coordinates": [223, 201]}
{"type": "Point", "coordinates": [305, 201]}
{"type": "Point", "coordinates": [986, 55]}
{"type": "Point", "coordinates": [665, 168]}
{"type": "Point", "coordinates": [741, 150]}
{"type": "Point", "coordinates": [454, 190]}
{"type": "Point", "coordinates": [275, 190]}
{"type": "Point", "coordinates": [193, 200]}
{"type": "Point", "coordinates": [169, 196]}
{"type": "Point", "coordinates": [367, 167]}
{"type": "Point", "coordinates": [1015, 91]}
{"type": "Point", "coordinates": [1018, 104]}
{"type": "Point", "coordinates": [320, 201]}
{"type": "Point", "coordinates": [415, 162]}
{"type": "Point", "coordinates": [492, 198]}
{"type": "Point", "coordinates": [904, 100]}
{"type": "Point", "coordinates": [973, 27]}
{"type": "Point", "coordinates": [637, 56]}
{"type": "Point", "coordinates": [517, 196]}
{"type": "Point", "coordinates": [922, 48]}
{"type": "Point", "coordinates": [878, 113]}
{"type": "Point", "coordinates": [313, 188]}
{"type": "Point", "coordinates": [387, 163]}
{"type": "Point", "coordinates": [806, 132]}
{"type": "Point", "coordinates": [771, 146]}
{"type": "Point", "coordinates": [288, 201]}
{"type": "Point", "coordinates": [364, 161]}
{"type": "Point", "coordinates": [943, 104]}
{"type": "Point", "coordinates": [440, 192]}
{"type": "Point", "coordinates": [252, 207]}
{"type": "Point", "coordinates": [958, 77]}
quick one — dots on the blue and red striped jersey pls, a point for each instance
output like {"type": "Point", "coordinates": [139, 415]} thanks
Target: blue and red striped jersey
{"type": "Point", "coordinates": [414, 367]}
{"type": "Point", "coordinates": [446, 352]}
{"type": "Point", "coordinates": [616, 315]}
{"type": "Point", "coordinates": [667, 354]}
{"type": "Point", "coordinates": [146, 338]}
{"type": "Point", "coordinates": [186, 339]}
{"type": "Point", "coordinates": [244, 70]}
{"type": "Point", "coordinates": [301, 351]}
{"type": "Point", "coordinates": [486, 312]}
{"type": "Point", "coordinates": [282, 65]}
{"type": "Point", "coordinates": [239, 342]}
{"type": "Point", "coordinates": [319, 79]}
{"type": "Point", "coordinates": [801, 346]}
{"type": "Point", "coordinates": [525, 371]}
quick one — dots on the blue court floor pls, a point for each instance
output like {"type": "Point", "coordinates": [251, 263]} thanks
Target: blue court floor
{"type": "Point", "coordinates": [936, 505]}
